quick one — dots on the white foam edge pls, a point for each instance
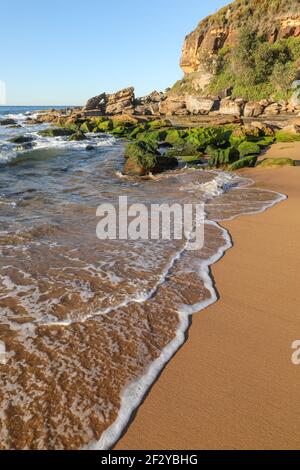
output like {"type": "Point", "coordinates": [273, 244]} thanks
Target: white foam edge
{"type": "Point", "coordinates": [134, 393]}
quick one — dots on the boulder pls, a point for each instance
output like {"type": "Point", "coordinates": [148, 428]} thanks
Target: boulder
{"type": "Point", "coordinates": [159, 164]}
{"type": "Point", "coordinates": [22, 139]}
{"type": "Point", "coordinates": [120, 102]}
{"type": "Point", "coordinates": [59, 132]}
{"type": "Point", "coordinates": [233, 108]}
{"type": "Point", "coordinates": [253, 109]}
{"type": "Point", "coordinates": [266, 129]}
{"type": "Point", "coordinates": [197, 105]}
{"type": "Point", "coordinates": [173, 106]}
{"type": "Point", "coordinates": [97, 102]}
{"type": "Point", "coordinates": [143, 158]}
{"type": "Point", "coordinates": [78, 136]}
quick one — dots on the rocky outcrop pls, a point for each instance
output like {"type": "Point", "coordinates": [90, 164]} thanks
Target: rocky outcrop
{"type": "Point", "coordinates": [7, 122]}
{"type": "Point", "coordinates": [253, 109]}
{"type": "Point", "coordinates": [149, 105]}
{"type": "Point", "coordinates": [121, 102]}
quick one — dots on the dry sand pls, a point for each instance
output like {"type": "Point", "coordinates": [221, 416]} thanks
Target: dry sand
{"type": "Point", "coordinates": [233, 385]}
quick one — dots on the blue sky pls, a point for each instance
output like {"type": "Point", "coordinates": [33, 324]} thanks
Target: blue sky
{"type": "Point", "coordinates": [63, 52]}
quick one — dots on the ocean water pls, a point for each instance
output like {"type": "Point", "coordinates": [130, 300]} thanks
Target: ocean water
{"type": "Point", "coordinates": [89, 324]}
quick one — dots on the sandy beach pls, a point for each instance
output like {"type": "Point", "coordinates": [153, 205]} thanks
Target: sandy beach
{"type": "Point", "coordinates": [233, 385]}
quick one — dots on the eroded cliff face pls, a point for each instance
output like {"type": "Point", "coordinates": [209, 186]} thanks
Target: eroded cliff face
{"type": "Point", "coordinates": [275, 19]}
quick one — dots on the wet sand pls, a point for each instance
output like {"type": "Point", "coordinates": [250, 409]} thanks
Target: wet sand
{"type": "Point", "coordinates": [233, 385]}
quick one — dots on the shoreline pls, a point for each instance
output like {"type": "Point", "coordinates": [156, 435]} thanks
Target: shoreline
{"type": "Point", "coordinates": [217, 391]}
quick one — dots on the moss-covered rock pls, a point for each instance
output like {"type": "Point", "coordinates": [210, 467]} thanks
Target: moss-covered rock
{"type": "Point", "coordinates": [149, 163]}
{"type": "Point", "coordinates": [248, 148]}
{"type": "Point", "coordinates": [56, 132]}
{"type": "Point", "coordinates": [206, 136]}
{"type": "Point", "coordinates": [222, 157]}
{"type": "Point", "coordinates": [277, 162]}
{"type": "Point", "coordinates": [265, 142]}
{"type": "Point", "coordinates": [282, 136]}
{"type": "Point", "coordinates": [143, 158]}
{"type": "Point", "coordinates": [246, 162]}
{"type": "Point", "coordinates": [22, 139]}
{"type": "Point", "coordinates": [87, 126]}
{"type": "Point", "coordinates": [105, 126]}
{"type": "Point", "coordinates": [139, 148]}
{"type": "Point", "coordinates": [154, 137]}
{"type": "Point", "coordinates": [137, 131]}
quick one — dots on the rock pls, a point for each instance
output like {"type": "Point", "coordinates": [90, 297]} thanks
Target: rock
{"type": "Point", "coordinates": [295, 99]}
{"type": "Point", "coordinates": [232, 108]}
{"type": "Point", "coordinates": [159, 164]}
{"type": "Point", "coordinates": [7, 122]}
{"type": "Point", "coordinates": [273, 109]}
{"type": "Point", "coordinates": [89, 148]}
{"type": "Point", "coordinates": [291, 129]}
{"type": "Point", "coordinates": [224, 120]}
{"type": "Point", "coordinates": [197, 105]}
{"type": "Point", "coordinates": [120, 102]}
{"type": "Point", "coordinates": [22, 139]}
{"type": "Point", "coordinates": [15, 126]}
{"type": "Point", "coordinates": [59, 132]}
{"type": "Point", "coordinates": [253, 109]}
{"type": "Point", "coordinates": [265, 102]}
{"type": "Point", "coordinates": [25, 146]}
{"type": "Point", "coordinates": [97, 102]}
{"type": "Point", "coordinates": [143, 158]}
{"type": "Point", "coordinates": [173, 106]}
{"type": "Point", "coordinates": [277, 162]}
{"type": "Point", "coordinates": [78, 136]}
{"type": "Point", "coordinates": [266, 129]}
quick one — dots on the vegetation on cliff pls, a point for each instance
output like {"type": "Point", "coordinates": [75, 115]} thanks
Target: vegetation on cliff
{"type": "Point", "coordinates": [250, 46]}
{"type": "Point", "coordinates": [256, 69]}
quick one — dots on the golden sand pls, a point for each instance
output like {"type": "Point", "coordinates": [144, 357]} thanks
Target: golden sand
{"type": "Point", "coordinates": [233, 385]}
